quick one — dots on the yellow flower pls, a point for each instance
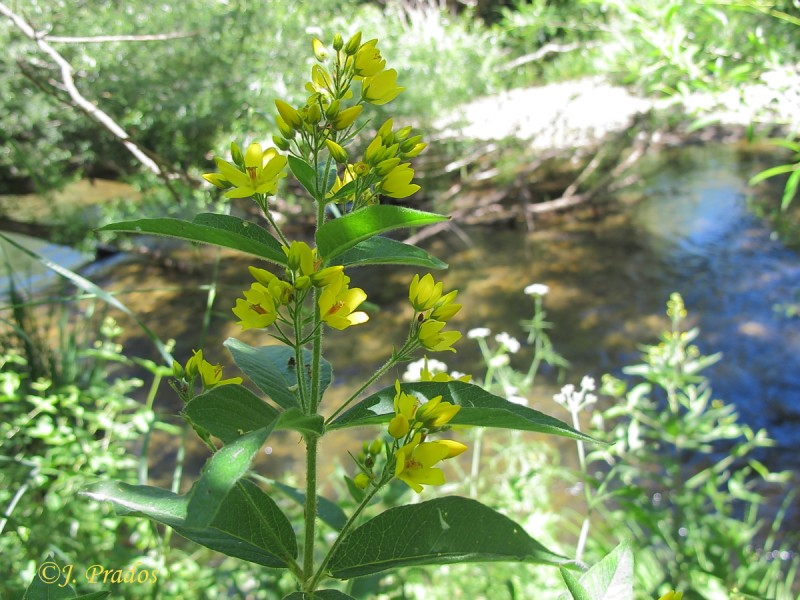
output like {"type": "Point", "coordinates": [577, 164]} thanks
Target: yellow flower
{"type": "Point", "coordinates": [262, 171]}
{"type": "Point", "coordinates": [368, 60]}
{"type": "Point", "coordinates": [444, 308]}
{"type": "Point", "coordinates": [281, 291]}
{"type": "Point", "coordinates": [424, 293]}
{"type": "Point", "coordinates": [337, 303]}
{"type": "Point", "coordinates": [381, 88]}
{"type": "Point", "coordinates": [301, 258]}
{"type": "Point", "coordinates": [326, 276]}
{"type": "Point", "coordinates": [397, 184]}
{"type": "Point", "coordinates": [257, 310]}
{"type": "Point", "coordinates": [211, 375]}
{"type": "Point", "coordinates": [405, 405]}
{"type": "Point", "coordinates": [672, 595]}
{"type": "Point", "coordinates": [435, 413]}
{"type": "Point", "coordinates": [433, 338]}
{"type": "Point", "coordinates": [414, 463]}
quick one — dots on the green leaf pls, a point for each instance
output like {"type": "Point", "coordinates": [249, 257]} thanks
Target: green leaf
{"type": "Point", "coordinates": [90, 288]}
{"type": "Point", "coordinates": [329, 512]}
{"type": "Point", "coordinates": [249, 525]}
{"type": "Point", "coordinates": [220, 474]}
{"type": "Point", "coordinates": [326, 177]}
{"type": "Point", "coordinates": [273, 370]}
{"type": "Point", "coordinates": [436, 532]}
{"type": "Point", "coordinates": [385, 251]}
{"type": "Point", "coordinates": [319, 595]}
{"type": "Point", "coordinates": [207, 228]}
{"type": "Point", "coordinates": [610, 579]}
{"type": "Point", "coordinates": [338, 235]}
{"type": "Point", "coordinates": [305, 174]}
{"type": "Point", "coordinates": [230, 411]}
{"type": "Point", "coordinates": [771, 172]}
{"type": "Point", "coordinates": [295, 419]}
{"type": "Point", "coordinates": [791, 188]}
{"type": "Point", "coordinates": [478, 407]}
{"type": "Point", "coordinates": [346, 190]}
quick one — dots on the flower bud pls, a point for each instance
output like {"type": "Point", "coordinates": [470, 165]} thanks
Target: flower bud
{"type": "Point", "coordinates": [236, 154]}
{"type": "Point", "coordinates": [217, 180]}
{"type": "Point", "coordinates": [353, 44]}
{"type": "Point", "coordinates": [385, 167]}
{"type": "Point", "coordinates": [414, 151]}
{"type": "Point", "coordinates": [311, 114]}
{"type": "Point", "coordinates": [320, 53]}
{"type": "Point", "coordinates": [402, 134]}
{"type": "Point", "coordinates": [337, 152]}
{"type": "Point", "coordinates": [281, 143]}
{"type": "Point", "coordinates": [410, 143]}
{"type": "Point", "coordinates": [332, 110]}
{"type": "Point", "coordinates": [286, 130]}
{"type": "Point", "coordinates": [177, 370]}
{"type": "Point", "coordinates": [338, 42]}
{"type": "Point", "coordinates": [347, 117]}
{"type": "Point", "coordinates": [361, 480]}
{"type": "Point", "coordinates": [289, 114]}
{"type": "Point", "coordinates": [376, 447]}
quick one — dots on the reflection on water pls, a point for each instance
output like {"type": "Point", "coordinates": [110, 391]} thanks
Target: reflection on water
{"type": "Point", "coordinates": [609, 282]}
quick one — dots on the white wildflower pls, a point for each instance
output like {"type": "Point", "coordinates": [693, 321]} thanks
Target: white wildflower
{"type": "Point", "coordinates": [478, 332]}
{"type": "Point", "coordinates": [501, 360]}
{"type": "Point", "coordinates": [511, 343]}
{"type": "Point", "coordinates": [587, 383]}
{"type": "Point", "coordinates": [414, 369]}
{"type": "Point", "coordinates": [537, 289]}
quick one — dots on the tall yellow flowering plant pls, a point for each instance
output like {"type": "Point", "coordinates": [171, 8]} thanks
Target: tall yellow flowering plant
{"type": "Point", "coordinates": [299, 292]}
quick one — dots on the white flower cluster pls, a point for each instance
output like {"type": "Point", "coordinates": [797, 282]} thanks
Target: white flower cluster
{"type": "Point", "coordinates": [414, 369]}
{"type": "Point", "coordinates": [576, 400]}
{"type": "Point", "coordinates": [511, 343]}
{"type": "Point", "coordinates": [537, 289]}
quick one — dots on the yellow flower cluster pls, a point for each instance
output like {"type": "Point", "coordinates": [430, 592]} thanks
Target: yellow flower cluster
{"type": "Point", "coordinates": [412, 422]}
{"type": "Point", "coordinates": [433, 311]}
{"type": "Point", "coordinates": [261, 305]}
{"type": "Point", "coordinates": [411, 458]}
{"type": "Point", "coordinates": [325, 123]}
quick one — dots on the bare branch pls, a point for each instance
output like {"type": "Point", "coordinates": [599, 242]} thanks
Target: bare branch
{"type": "Point", "coordinates": [93, 111]}
{"type": "Point", "coordinates": [551, 48]}
{"type": "Point", "coordinates": [103, 39]}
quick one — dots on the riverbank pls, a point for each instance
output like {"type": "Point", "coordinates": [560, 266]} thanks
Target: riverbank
{"type": "Point", "coordinates": [583, 112]}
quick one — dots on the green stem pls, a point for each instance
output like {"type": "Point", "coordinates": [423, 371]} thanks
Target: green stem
{"type": "Point", "coordinates": [143, 456]}
{"type": "Point", "coordinates": [393, 360]}
{"type": "Point", "coordinates": [342, 535]}
{"type": "Point", "coordinates": [311, 507]}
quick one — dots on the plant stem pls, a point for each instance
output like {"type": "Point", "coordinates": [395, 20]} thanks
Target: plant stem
{"type": "Point", "coordinates": [311, 507]}
{"type": "Point", "coordinates": [386, 366]}
{"type": "Point", "coordinates": [342, 535]}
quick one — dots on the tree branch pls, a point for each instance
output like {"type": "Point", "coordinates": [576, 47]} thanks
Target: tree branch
{"type": "Point", "coordinates": [102, 39]}
{"type": "Point", "coordinates": [93, 111]}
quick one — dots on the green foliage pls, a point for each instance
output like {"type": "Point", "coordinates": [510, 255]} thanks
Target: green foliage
{"type": "Point", "coordinates": [792, 169]}
{"type": "Point", "coordinates": [683, 474]}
